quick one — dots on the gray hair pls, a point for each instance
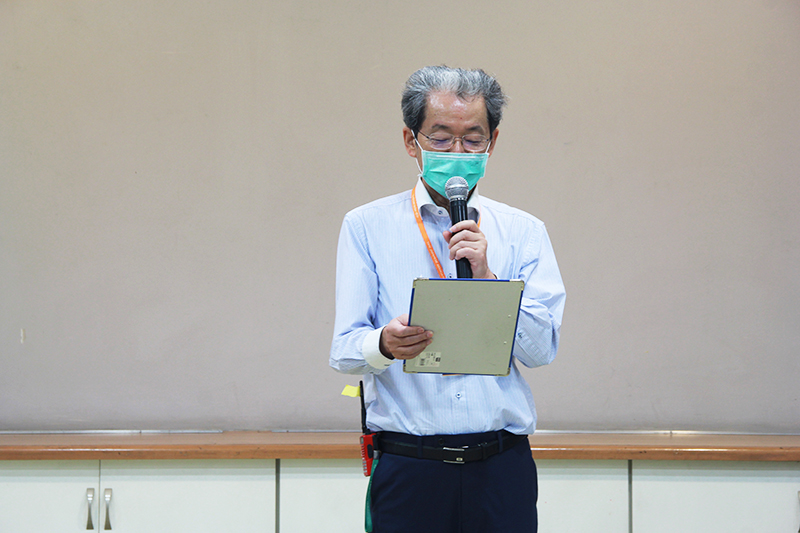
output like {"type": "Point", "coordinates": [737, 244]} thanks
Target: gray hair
{"type": "Point", "coordinates": [465, 84]}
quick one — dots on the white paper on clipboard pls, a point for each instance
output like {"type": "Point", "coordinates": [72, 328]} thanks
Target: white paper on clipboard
{"type": "Point", "coordinates": [473, 321]}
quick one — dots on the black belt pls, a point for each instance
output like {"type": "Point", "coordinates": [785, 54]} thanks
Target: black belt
{"type": "Point", "coordinates": [504, 440]}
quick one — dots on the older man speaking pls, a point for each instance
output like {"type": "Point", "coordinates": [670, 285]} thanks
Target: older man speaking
{"type": "Point", "coordinates": [451, 118]}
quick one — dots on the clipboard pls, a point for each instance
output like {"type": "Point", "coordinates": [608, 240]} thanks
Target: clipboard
{"type": "Point", "coordinates": [474, 322]}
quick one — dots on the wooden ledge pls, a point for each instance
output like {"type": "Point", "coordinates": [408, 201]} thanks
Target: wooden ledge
{"type": "Point", "coordinates": [224, 445]}
{"type": "Point", "coordinates": [674, 446]}
{"type": "Point", "coordinates": [301, 445]}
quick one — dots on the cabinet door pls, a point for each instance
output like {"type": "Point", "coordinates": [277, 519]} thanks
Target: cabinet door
{"type": "Point", "coordinates": [327, 495]}
{"type": "Point", "coordinates": [191, 496]}
{"type": "Point", "coordinates": [715, 496]}
{"type": "Point", "coordinates": [47, 496]}
{"type": "Point", "coordinates": [581, 496]}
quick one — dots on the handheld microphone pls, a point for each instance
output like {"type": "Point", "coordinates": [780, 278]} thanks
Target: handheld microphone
{"type": "Point", "coordinates": [457, 190]}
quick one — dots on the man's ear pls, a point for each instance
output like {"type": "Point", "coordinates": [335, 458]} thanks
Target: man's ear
{"type": "Point", "coordinates": [410, 142]}
{"type": "Point", "coordinates": [494, 141]}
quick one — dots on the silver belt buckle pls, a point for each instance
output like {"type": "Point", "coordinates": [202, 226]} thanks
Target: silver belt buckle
{"type": "Point", "coordinates": [459, 460]}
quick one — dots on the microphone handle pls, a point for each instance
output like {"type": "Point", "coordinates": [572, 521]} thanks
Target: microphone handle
{"type": "Point", "coordinates": [463, 268]}
{"type": "Point", "coordinates": [458, 212]}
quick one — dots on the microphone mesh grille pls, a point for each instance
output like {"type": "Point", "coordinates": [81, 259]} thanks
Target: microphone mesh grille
{"type": "Point", "coordinates": [456, 188]}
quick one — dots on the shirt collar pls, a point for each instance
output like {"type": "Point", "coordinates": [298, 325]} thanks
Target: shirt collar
{"type": "Point", "coordinates": [425, 202]}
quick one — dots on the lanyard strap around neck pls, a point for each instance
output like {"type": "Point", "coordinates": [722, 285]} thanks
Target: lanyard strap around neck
{"type": "Point", "coordinates": [424, 233]}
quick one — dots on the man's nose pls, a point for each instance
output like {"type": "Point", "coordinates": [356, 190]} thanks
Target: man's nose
{"type": "Point", "coordinates": [458, 145]}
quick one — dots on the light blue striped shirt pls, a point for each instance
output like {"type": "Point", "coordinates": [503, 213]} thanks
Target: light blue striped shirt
{"type": "Point", "coordinates": [380, 253]}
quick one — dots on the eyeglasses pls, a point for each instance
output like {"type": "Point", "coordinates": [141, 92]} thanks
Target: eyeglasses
{"type": "Point", "coordinates": [474, 142]}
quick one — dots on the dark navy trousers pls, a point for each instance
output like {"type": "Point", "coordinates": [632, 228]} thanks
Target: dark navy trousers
{"type": "Point", "coordinates": [498, 494]}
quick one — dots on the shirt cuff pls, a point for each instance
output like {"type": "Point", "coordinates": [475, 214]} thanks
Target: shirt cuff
{"type": "Point", "coordinates": [371, 350]}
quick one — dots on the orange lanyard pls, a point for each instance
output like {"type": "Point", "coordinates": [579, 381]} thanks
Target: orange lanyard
{"type": "Point", "coordinates": [424, 234]}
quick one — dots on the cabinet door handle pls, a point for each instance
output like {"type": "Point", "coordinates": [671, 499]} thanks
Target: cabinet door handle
{"type": "Point", "coordinates": [90, 498]}
{"type": "Point", "coordinates": [107, 496]}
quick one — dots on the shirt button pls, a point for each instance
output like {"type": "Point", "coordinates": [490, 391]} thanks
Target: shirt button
{"type": "Point", "coordinates": [458, 395]}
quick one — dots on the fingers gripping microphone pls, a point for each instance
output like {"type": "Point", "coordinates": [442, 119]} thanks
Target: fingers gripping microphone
{"type": "Point", "coordinates": [457, 190]}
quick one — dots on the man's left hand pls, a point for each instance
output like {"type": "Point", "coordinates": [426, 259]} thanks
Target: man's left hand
{"type": "Point", "coordinates": [467, 241]}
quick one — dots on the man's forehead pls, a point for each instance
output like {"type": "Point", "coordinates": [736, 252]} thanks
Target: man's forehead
{"type": "Point", "coordinates": [448, 104]}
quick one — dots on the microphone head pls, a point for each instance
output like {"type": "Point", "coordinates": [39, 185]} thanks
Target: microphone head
{"type": "Point", "coordinates": [456, 188]}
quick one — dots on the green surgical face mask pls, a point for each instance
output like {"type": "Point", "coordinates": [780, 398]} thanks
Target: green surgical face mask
{"type": "Point", "coordinates": [438, 167]}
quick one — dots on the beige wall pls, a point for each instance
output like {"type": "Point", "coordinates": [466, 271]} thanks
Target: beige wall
{"type": "Point", "coordinates": [173, 176]}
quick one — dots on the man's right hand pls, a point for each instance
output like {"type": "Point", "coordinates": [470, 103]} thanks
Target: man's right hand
{"type": "Point", "coordinates": [401, 341]}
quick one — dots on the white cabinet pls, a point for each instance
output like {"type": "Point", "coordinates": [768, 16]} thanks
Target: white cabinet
{"type": "Point", "coordinates": [322, 495]}
{"type": "Point", "coordinates": [581, 496]}
{"type": "Point", "coordinates": [715, 496]}
{"type": "Point", "coordinates": [192, 496]}
{"type": "Point", "coordinates": [302, 495]}
{"type": "Point", "coordinates": [47, 496]}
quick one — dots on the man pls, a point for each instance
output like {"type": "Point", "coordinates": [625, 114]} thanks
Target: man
{"type": "Point", "coordinates": [451, 118]}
